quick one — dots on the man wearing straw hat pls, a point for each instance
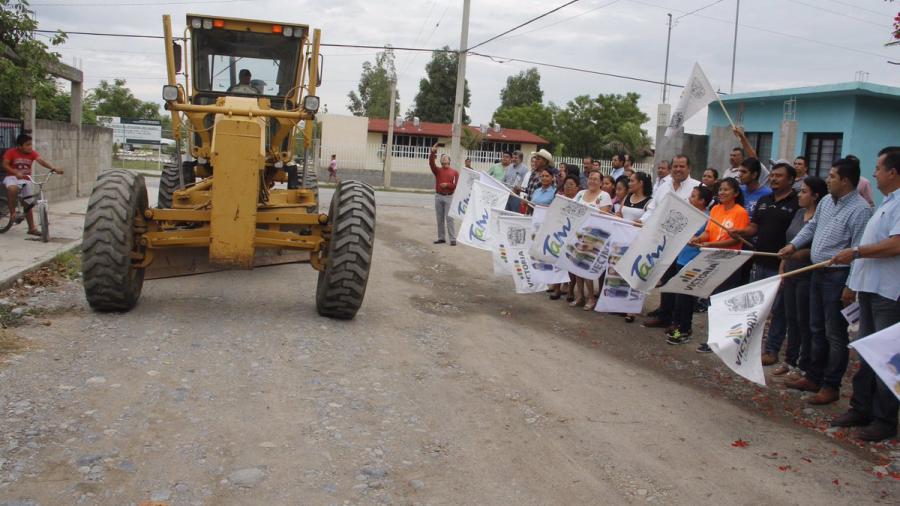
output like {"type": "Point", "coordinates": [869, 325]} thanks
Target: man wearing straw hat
{"type": "Point", "coordinates": [542, 159]}
{"type": "Point", "coordinates": [838, 224]}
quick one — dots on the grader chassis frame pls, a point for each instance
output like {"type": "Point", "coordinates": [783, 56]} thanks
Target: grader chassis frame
{"type": "Point", "coordinates": [234, 217]}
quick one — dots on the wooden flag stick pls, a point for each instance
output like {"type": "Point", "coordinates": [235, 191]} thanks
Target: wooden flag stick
{"type": "Point", "coordinates": [765, 254]}
{"type": "Point", "coordinates": [812, 267]}
{"type": "Point", "coordinates": [734, 236]}
{"type": "Point", "coordinates": [725, 111]}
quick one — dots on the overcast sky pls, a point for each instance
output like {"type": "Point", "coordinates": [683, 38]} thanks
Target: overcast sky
{"type": "Point", "coordinates": [818, 42]}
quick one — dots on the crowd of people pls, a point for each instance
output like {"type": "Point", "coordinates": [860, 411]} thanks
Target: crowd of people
{"type": "Point", "coordinates": [795, 218]}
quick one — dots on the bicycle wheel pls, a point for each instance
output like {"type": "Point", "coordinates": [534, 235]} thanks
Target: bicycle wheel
{"type": "Point", "coordinates": [6, 221]}
{"type": "Point", "coordinates": [45, 223]}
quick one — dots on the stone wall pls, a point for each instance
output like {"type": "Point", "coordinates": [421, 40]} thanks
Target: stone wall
{"type": "Point", "coordinates": [82, 158]}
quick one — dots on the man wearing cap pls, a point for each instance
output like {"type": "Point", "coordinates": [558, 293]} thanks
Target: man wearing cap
{"type": "Point", "coordinates": [541, 159]}
{"type": "Point", "coordinates": [445, 179]}
{"type": "Point", "coordinates": [771, 218]}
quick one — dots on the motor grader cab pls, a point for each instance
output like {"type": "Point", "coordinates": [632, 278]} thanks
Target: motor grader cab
{"type": "Point", "coordinates": [247, 103]}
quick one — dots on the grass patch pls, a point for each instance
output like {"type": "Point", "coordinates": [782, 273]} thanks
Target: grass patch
{"type": "Point", "coordinates": [136, 165]}
{"type": "Point", "coordinates": [10, 342]}
{"type": "Point", "coordinates": [68, 264]}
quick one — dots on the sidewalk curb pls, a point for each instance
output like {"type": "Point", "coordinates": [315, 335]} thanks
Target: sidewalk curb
{"type": "Point", "coordinates": [10, 281]}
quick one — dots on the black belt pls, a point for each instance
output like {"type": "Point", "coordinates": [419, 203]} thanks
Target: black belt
{"type": "Point", "coordinates": [444, 194]}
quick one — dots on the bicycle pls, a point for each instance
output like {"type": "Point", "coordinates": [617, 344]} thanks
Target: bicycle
{"type": "Point", "coordinates": [25, 204]}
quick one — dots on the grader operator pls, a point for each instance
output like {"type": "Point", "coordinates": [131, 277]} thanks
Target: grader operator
{"type": "Point", "coordinates": [248, 102]}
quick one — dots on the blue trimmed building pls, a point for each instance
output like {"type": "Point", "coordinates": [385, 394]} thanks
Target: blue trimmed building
{"type": "Point", "coordinates": [821, 122]}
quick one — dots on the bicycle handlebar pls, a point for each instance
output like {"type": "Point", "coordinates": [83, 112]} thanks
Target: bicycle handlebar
{"type": "Point", "coordinates": [41, 183]}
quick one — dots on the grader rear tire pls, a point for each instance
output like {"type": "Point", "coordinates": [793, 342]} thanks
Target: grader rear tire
{"type": "Point", "coordinates": [168, 183]}
{"type": "Point", "coordinates": [342, 284]}
{"type": "Point", "coordinates": [111, 282]}
{"type": "Point", "coordinates": [310, 181]}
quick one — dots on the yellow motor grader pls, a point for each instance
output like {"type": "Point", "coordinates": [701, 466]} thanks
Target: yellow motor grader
{"type": "Point", "coordinates": [242, 200]}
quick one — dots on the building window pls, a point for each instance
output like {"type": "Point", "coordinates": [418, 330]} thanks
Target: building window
{"type": "Point", "coordinates": [411, 146]}
{"type": "Point", "coordinates": [822, 149]}
{"type": "Point", "coordinates": [762, 144]}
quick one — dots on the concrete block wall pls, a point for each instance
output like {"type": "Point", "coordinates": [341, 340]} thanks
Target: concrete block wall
{"type": "Point", "coordinates": [81, 159]}
{"type": "Point", "coordinates": [415, 180]}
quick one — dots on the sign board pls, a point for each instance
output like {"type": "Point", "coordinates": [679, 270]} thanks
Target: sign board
{"type": "Point", "coordinates": [133, 131]}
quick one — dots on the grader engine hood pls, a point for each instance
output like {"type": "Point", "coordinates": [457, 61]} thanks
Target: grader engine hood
{"type": "Point", "coordinates": [238, 158]}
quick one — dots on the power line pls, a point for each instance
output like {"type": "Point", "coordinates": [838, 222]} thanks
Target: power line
{"type": "Point", "coordinates": [857, 7]}
{"type": "Point", "coordinates": [101, 34]}
{"type": "Point", "coordinates": [695, 11]}
{"type": "Point", "coordinates": [532, 20]}
{"type": "Point", "coordinates": [503, 59]}
{"type": "Point", "coordinates": [843, 15]}
{"type": "Point", "coordinates": [766, 30]}
{"type": "Point", "coordinates": [138, 4]}
{"type": "Point", "coordinates": [544, 27]}
{"type": "Point", "coordinates": [412, 57]}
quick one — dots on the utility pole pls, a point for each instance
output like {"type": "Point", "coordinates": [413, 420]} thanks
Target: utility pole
{"type": "Point", "coordinates": [666, 72]}
{"type": "Point", "coordinates": [389, 149]}
{"type": "Point", "coordinates": [455, 151]}
{"type": "Point", "coordinates": [737, 14]}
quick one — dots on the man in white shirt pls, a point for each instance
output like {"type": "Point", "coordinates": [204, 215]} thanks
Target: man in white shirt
{"type": "Point", "coordinates": [618, 166]}
{"type": "Point", "coordinates": [662, 175]}
{"type": "Point", "coordinates": [678, 182]}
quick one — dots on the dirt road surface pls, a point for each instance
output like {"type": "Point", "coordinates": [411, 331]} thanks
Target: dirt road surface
{"type": "Point", "coordinates": [228, 389]}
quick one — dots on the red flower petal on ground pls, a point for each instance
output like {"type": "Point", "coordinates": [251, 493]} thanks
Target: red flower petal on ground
{"type": "Point", "coordinates": [836, 482]}
{"type": "Point", "coordinates": [740, 443]}
{"type": "Point", "coordinates": [784, 468]}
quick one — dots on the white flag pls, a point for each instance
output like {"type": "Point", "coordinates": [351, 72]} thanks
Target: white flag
{"type": "Point", "coordinates": [671, 226]}
{"type": "Point", "coordinates": [737, 319]}
{"type": "Point", "coordinates": [548, 274]}
{"type": "Point", "coordinates": [706, 271]}
{"type": "Point", "coordinates": [501, 267]}
{"type": "Point", "coordinates": [587, 250]}
{"type": "Point", "coordinates": [512, 248]}
{"type": "Point", "coordinates": [616, 296]}
{"type": "Point", "coordinates": [538, 216]}
{"type": "Point", "coordinates": [696, 95]}
{"type": "Point", "coordinates": [881, 351]}
{"type": "Point", "coordinates": [564, 216]}
{"type": "Point", "coordinates": [475, 230]}
{"type": "Point", "coordinates": [463, 192]}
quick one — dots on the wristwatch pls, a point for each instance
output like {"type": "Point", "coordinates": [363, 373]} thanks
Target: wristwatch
{"type": "Point", "coordinates": [856, 253]}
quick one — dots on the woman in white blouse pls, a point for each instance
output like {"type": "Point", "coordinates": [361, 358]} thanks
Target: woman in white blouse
{"type": "Point", "coordinates": [595, 197]}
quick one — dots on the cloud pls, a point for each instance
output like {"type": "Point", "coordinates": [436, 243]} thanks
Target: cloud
{"type": "Point", "coordinates": [628, 37]}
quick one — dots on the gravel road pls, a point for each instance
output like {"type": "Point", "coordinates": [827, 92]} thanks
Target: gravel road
{"type": "Point", "coordinates": [228, 389]}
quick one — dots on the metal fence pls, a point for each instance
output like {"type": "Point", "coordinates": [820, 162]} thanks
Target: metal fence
{"type": "Point", "coordinates": [415, 158]}
{"type": "Point", "coordinates": [9, 130]}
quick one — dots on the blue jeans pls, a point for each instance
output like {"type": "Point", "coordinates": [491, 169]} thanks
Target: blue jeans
{"type": "Point", "coordinates": [828, 327]}
{"type": "Point", "coordinates": [795, 293]}
{"type": "Point", "coordinates": [777, 325]}
{"type": "Point", "coordinates": [871, 397]}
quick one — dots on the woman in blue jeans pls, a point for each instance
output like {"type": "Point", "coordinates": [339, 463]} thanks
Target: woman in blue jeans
{"type": "Point", "coordinates": [795, 289]}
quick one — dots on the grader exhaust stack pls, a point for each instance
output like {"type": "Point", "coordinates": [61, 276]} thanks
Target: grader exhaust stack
{"type": "Point", "coordinates": [242, 200]}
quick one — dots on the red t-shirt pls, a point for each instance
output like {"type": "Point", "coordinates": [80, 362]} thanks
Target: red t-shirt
{"type": "Point", "coordinates": [442, 175]}
{"type": "Point", "coordinates": [20, 161]}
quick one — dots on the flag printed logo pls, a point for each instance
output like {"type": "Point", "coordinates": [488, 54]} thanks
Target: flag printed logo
{"type": "Point", "coordinates": [744, 342]}
{"type": "Point", "coordinates": [477, 230]}
{"type": "Point", "coordinates": [554, 242]}
{"type": "Point", "coordinates": [675, 222]}
{"type": "Point", "coordinates": [643, 264]}
{"type": "Point", "coordinates": [745, 301]}
{"type": "Point", "coordinates": [463, 205]}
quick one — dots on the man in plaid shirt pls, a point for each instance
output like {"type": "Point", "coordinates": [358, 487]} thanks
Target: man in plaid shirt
{"type": "Point", "coordinates": [839, 223]}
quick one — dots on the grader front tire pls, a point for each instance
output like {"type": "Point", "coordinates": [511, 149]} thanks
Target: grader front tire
{"type": "Point", "coordinates": [111, 282]}
{"type": "Point", "coordinates": [342, 284]}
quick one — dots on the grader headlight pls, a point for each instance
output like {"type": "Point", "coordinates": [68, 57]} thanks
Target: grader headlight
{"type": "Point", "coordinates": [170, 93]}
{"type": "Point", "coordinates": [311, 103]}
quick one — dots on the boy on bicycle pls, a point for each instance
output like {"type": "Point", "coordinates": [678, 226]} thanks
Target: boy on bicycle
{"type": "Point", "coordinates": [17, 166]}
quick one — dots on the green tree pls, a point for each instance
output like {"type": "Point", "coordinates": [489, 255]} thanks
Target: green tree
{"type": "Point", "coordinates": [522, 89]}
{"type": "Point", "coordinates": [591, 126]}
{"type": "Point", "coordinates": [24, 60]}
{"type": "Point", "coordinates": [373, 99]}
{"type": "Point", "coordinates": [115, 99]}
{"type": "Point", "coordinates": [471, 138]}
{"type": "Point", "coordinates": [437, 91]}
{"type": "Point", "coordinates": [535, 117]}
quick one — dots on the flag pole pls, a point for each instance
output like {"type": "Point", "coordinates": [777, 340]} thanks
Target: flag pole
{"type": "Point", "coordinates": [719, 99]}
{"type": "Point", "coordinates": [819, 265]}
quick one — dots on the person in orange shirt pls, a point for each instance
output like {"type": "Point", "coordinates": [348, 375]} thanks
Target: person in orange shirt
{"type": "Point", "coordinates": [731, 213]}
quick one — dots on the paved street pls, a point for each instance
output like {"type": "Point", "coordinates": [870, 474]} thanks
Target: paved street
{"type": "Point", "coordinates": [447, 388]}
